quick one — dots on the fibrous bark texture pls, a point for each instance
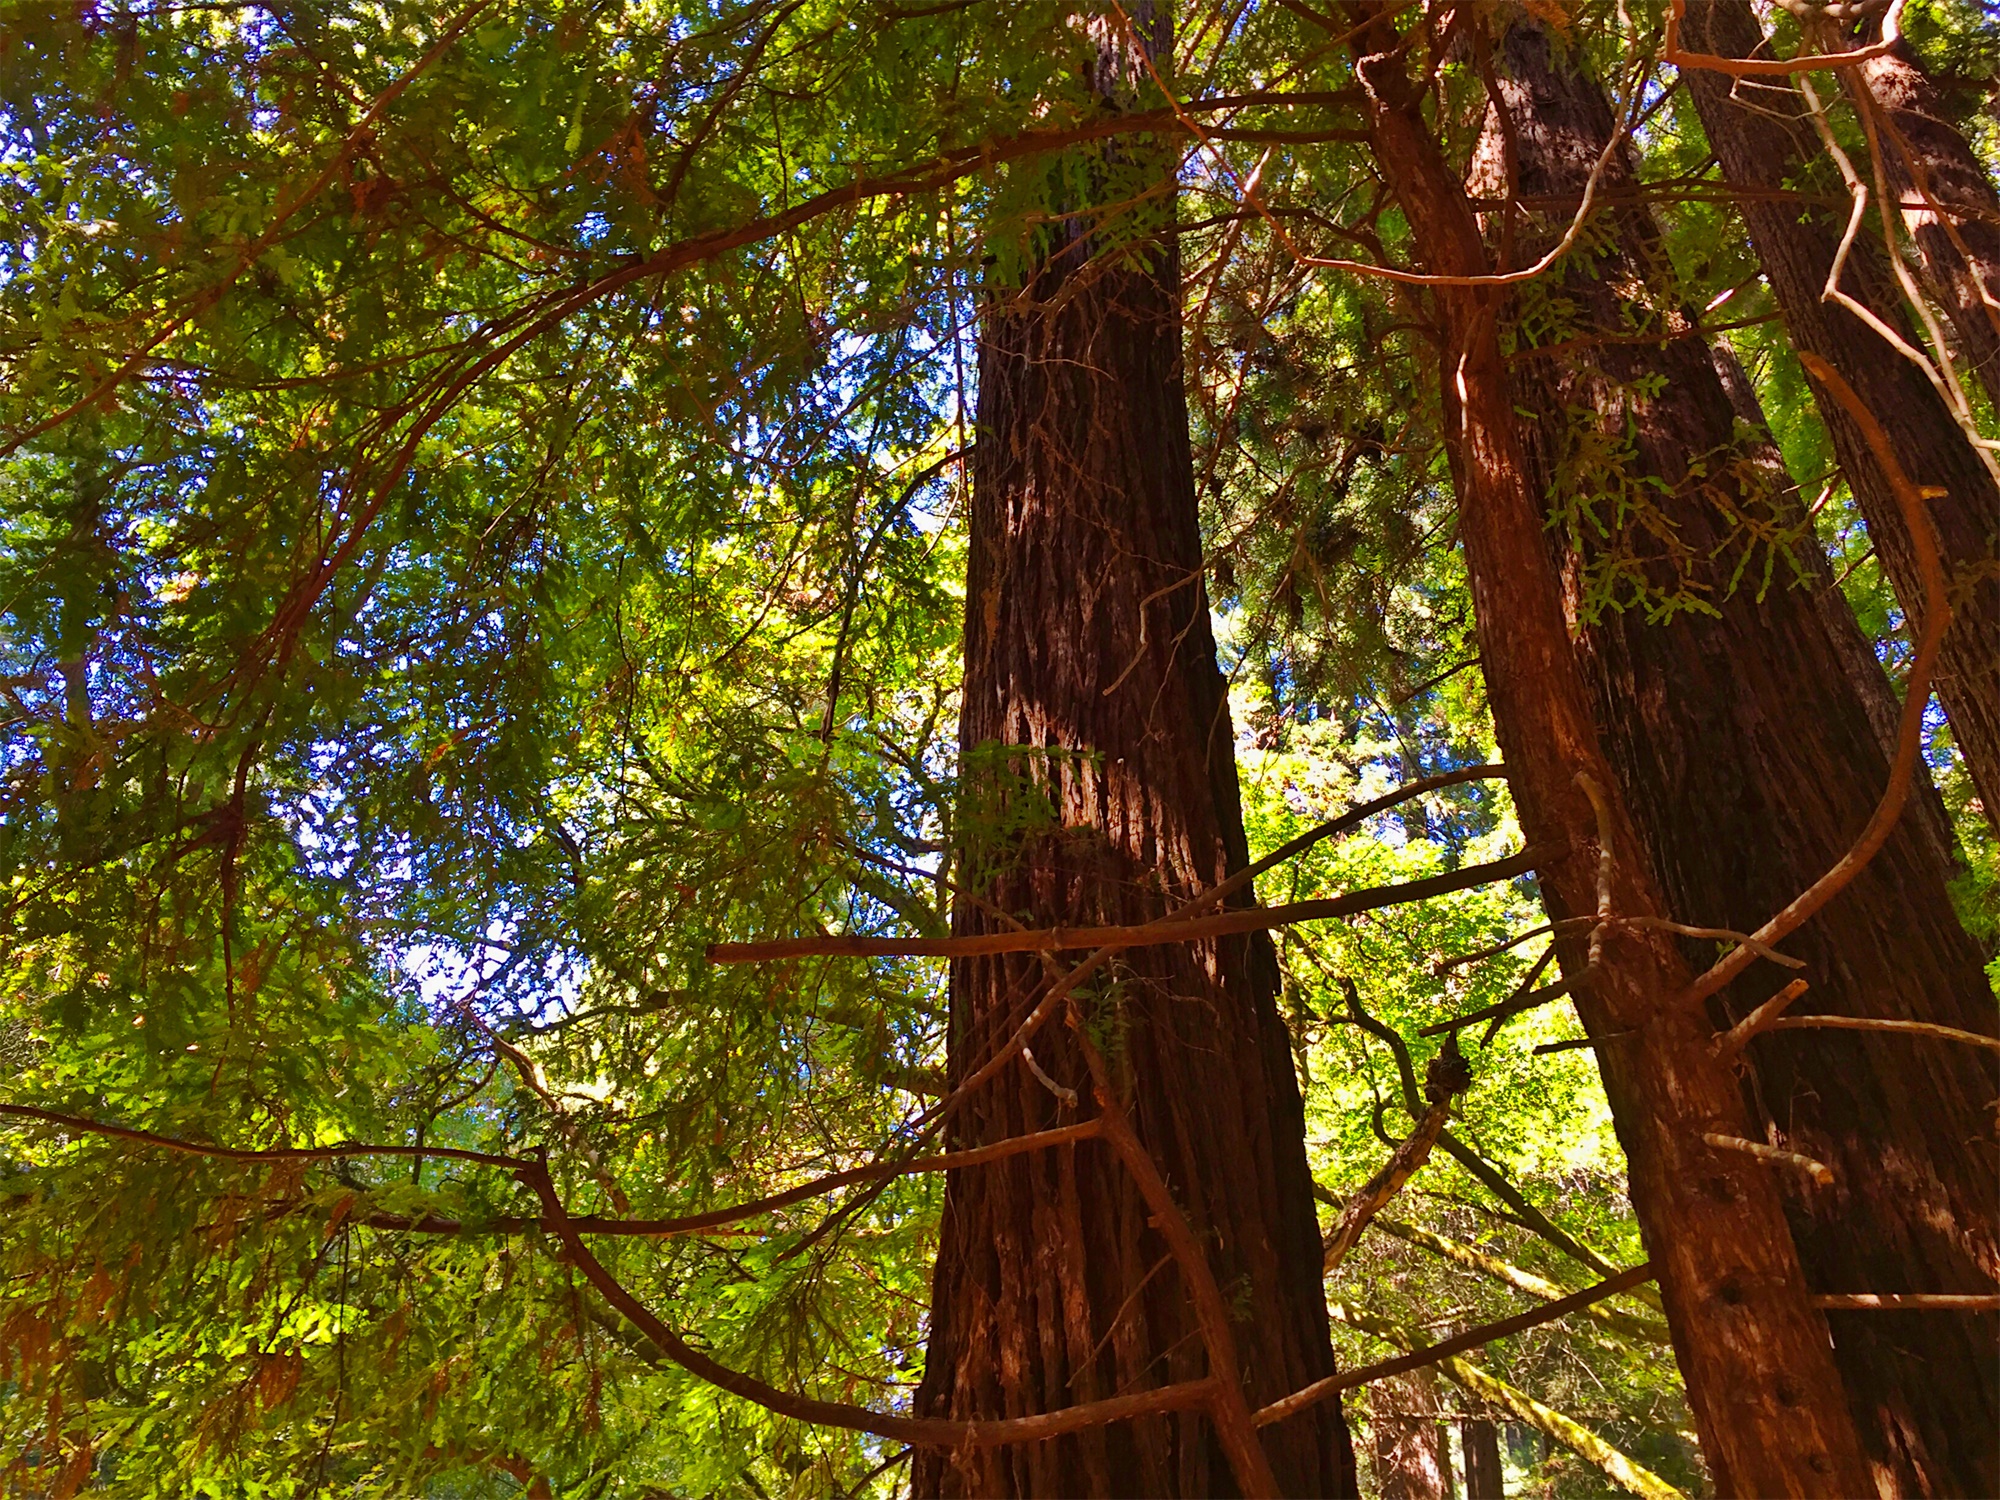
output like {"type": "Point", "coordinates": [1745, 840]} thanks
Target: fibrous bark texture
{"type": "Point", "coordinates": [1947, 199]}
{"type": "Point", "coordinates": [1750, 762]}
{"type": "Point", "coordinates": [1409, 1447]}
{"type": "Point", "coordinates": [1754, 1353]}
{"type": "Point", "coordinates": [1101, 789]}
{"type": "Point", "coordinates": [1765, 146]}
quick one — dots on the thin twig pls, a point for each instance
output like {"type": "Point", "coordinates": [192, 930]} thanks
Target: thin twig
{"type": "Point", "coordinates": [1459, 960]}
{"type": "Point", "coordinates": [236, 1153]}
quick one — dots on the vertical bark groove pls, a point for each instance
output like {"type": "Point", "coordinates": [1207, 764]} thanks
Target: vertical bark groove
{"type": "Point", "coordinates": [1750, 760]}
{"type": "Point", "coordinates": [1948, 202]}
{"type": "Point", "coordinates": [1760, 1375]}
{"type": "Point", "coordinates": [1764, 144]}
{"type": "Point", "coordinates": [1100, 773]}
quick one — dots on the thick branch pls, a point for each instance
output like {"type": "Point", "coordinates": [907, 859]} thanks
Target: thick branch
{"type": "Point", "coordinates": [1869, 1023]}
{"type": "Point", "coordinates": [1819, 1171]}
{"type": "Point", "coordinates": [1908, 1302]}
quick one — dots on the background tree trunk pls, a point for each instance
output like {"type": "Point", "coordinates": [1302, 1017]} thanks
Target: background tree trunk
{"type": "Point", "coordinates": [1947, 199]}
{"type": "Point", "coordinates": [1100, 787]}
{"type": "Point", "coordinates": [1409, 1446]}
{"type": "Point", "coordinates": [1754, 1354]}
{"type": "Point", "coordinates": [1485, 1479]}
{"type": "Point", "coordinates": [1765, 145]}
{"type": "Point", "coordinates": [1750, 764]}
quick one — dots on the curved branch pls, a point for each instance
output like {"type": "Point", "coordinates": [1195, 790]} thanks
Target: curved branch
{"type": "Point", "coordinates": [928, 1431]}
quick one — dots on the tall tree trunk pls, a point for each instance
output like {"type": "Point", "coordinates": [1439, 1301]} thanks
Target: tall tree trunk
{"type": "Point", "coordinates": [1484, 1477]}
{"type": "Point", "coordinates": [1409, 1449]}
{"type": "Point", "coordinates": [1750, 763]}
{"type": "Point", "coordinates": [1101, 788]}
{"type": "Point", "coordinates": [1753, 1351]}
{"type": "Point", "coordinates": [1947, 199]}
{"type": "Point", "coordinates": [1764, 144]}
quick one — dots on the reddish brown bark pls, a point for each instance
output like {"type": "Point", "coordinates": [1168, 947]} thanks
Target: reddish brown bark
{"type": "Point", "coordinates": [1765, 145]}
{"type": "Point", "coordinates": [1409, 1449]}
{"type": "Point", "coordinates": [1948, 202]}
{"type": "Point", "coordinates": [1750, 762]}
{"type": "Point", "coordinates": [1107, 795]}
{"type": "Point", "coordinates": [1754, 1353]}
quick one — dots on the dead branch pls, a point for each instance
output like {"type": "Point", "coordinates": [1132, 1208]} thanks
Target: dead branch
{"type": "Point", "coordinates": [1446, 965]}
{"type": "Point", "coordinates": [1908, 1301]}
{"type": "Point", "coordinates": [1763, 1016]}
{"type": "Point", "coordinates": [1819, 1171]}
{"type": "Point", "coordinates": [929, 1431]}
{"type": "Point", "coordinates": [235, 1153]}
{"type": "Point", "coordinates": [1521, 1000]}
{"type": "Point", "coordinates": [1472, 1258]}
{"type": "Point", "coordinates": [1374, 1195]}
{"type": "Point", "coordinates": [1228, 1406]}
{"type": "Point", "coordinates": [1869, 1023]}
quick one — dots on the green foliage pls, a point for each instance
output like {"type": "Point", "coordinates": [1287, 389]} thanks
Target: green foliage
{"type": "Point", "coordinates": [470, 539]}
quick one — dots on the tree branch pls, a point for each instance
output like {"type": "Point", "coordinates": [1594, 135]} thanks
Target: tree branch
{"type": "Point", "coordinates": [1431, 1354]}
{"type": "Point", "coordinates": [1168, 930]}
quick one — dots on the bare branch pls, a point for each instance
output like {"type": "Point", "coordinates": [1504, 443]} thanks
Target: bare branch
{"type": "Point", "coordinates": [1869, 1023]}
{"type": "Point", "coordinates": [1474, 1338]}
{"type": "Point", "coordinates": [1759, 1018]}
{"type": "Point", "coordinates": [1909, 739]}
{"type": "Point", "coordinates": [928, 1431]}
{"type": "Point", "coordinates": [1819, 1171]}
{"type": "Point", "coordinates": [1908, 1302]}
{"type": "Point", "coordinates": [1374, 1195]}
{"type": "Point", "coordinates": [1622, 1469]}
{"type": "Point", "coordinates": [1167, 930]}
{"type": "Point", "coordinates": [1472, 1258]}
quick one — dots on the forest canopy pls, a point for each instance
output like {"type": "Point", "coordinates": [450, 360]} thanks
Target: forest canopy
{"type": "Point", "coordinates": [743, 734]}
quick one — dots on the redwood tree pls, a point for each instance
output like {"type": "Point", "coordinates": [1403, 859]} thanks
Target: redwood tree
{"type": "Point", "coordinates": [1754, 1352]}
{"type": "Point", "coordinates": [1947, 198]}
{"type": "Point", "coordinates": [1750, 762]}
{"type": "Point", "coordinates": [1101, 788]}
{"type": "Point", "coordinates": [1765, 145]}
